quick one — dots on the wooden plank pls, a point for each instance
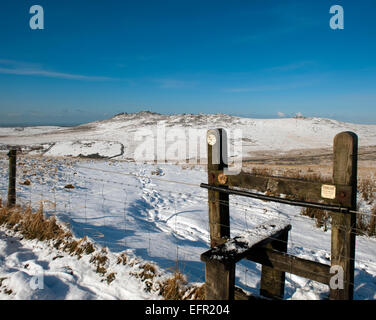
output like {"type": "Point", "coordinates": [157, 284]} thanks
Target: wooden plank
{"type": "Point", "coordinates": [292, 188]}
{"type": "Point", "coordinates": [288, 263]}
{"type": "Point", "coordinates": [219, 280]}
{"type": "Point", "coordinates": [237, 248]}
{"type": "Point", "coordinates": [272, 284]}
{"type": "Point", "coordinates": [343, 225]}
{"type": "Point", "coordinates": [219, 216]}
{"type": "Point", "coordinates": [12, 178]}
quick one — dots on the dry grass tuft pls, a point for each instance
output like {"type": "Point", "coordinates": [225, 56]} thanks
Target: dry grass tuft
{"type": "Point", "coordinates": [366, 225]}
{"type": "Point", "coordinates": [100, 261]}
{"type": "Point", "coordinates": [1, 280]}
{"type": "Point", "coordinates": [367, 188]}
{"type": "Point", "coordinates": [122, 259]}
{"type": "Point", "coordinates": [88, 248]}
{"type": "Point", "coordinates": [69, 186]}
{"type": "Point", "coordinates": [26, 182]}
{"type": "Point", "coordinates": [322, 217]}
{"type": "Point", "coordinates": [110, 277]}
{"type": "Point", "coordinates": [36, 226]}
{"type": "Point", "coordinates": [32, 225]}
{"type": "Point", "coordinates": [8, 291]}
{"type": "Point", "coordinates": [146, 273]}
{"type": "Point", "coordinates": [174, 288]}
{"type": "Point", "coordinates": [195, 293]}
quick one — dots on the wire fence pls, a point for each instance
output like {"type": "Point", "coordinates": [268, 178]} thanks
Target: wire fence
{"type": "Point", "coordinates": [163, 216]}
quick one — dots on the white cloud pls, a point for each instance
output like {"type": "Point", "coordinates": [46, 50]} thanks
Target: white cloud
{"type": "Point", "coordinates": [281, 114]}
{"type": "Point", "coordinates": [27, 69]}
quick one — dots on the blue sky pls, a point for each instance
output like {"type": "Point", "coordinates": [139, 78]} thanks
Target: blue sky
{"type": "Point", "coordinates": [256, 58]}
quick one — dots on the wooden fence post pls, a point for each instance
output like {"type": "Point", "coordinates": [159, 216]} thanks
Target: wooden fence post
{"type": "Point", "coordinates": [12, 178]}
{"type": "Point", "coordinates": [219, 217]}
{"type": "Point", "coordinates": [272, 284]}
{"type": "Point", "coordinates": [219, 278]}
{"type": "Point", "coordinates": [344, 224]}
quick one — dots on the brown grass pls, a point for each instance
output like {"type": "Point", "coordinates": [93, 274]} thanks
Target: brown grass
{"type": "Point", "coordinates": [174, 287]}
{"type": "Point", "coordinates": [367, 188]}
{"type": "Point", "coordinates": [26, 182]}
{"type": "Point", "coordinates": [366, 225]}
{"type": "Point", "coordinates": [196, 293]}
{"type": "Point", "coordinates": [147, 274]}
{"type": "Point", "coordinates": [321, 217]}
{"type": "Point", "coordinates": [100, 261]}
{"type": "Point", "coordinates": [32, 225]}
{"type": "Point", "coordinates": [122, 259]}
{"type": "Point", "coordinates": [111, 277]}
{"type": "Point", "coordinates": [1, 280]}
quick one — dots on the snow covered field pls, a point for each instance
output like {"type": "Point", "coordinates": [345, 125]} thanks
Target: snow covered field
{"type": "Point", "coordinates": [159, 212]}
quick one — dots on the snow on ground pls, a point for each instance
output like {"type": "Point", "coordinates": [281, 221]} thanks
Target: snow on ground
{"type": "Point", "coordinates": [33, 270]}
{"type": "Point", "coordinates": [120, 136]}
{"type": "Point", "coordinates": [160, 213]}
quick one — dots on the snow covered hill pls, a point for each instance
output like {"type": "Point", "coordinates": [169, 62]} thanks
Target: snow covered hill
{"type": "Point", "coordinates": [119, 136]}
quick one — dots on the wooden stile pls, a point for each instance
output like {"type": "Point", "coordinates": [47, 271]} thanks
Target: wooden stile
{"type": "Point", "coordinates": [339, 197]}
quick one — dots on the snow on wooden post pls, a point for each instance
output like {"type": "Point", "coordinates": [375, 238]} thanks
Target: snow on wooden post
{"type": "Point", "coordinates": [344, 224]}
{"type": "Point", "coordinates": [12, 178]}
{"type": "Point", "coordinates": [219, 278]}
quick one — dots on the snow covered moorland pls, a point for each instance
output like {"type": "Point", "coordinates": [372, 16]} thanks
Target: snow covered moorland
{"type": "Point", "coordinates": [119, 137]}
{"type": "Point", "coordinates": [155, 212]}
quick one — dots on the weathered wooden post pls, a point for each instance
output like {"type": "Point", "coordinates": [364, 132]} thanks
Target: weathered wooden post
{"type": "Point", "coordinates": [272, 284]}
{"type": "Point", "coordinates": [344, 224]}
{"type": "Point", "coordinates": [220, 278]}
{"type": "Point", "coordinates": [12, 178]}
{"type": "Point", "coordinates": [219, 216]}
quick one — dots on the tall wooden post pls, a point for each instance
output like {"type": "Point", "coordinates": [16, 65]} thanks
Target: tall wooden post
{"type": "Point", "coordinates": [12, 178]}
{"type": "Point", "coordinates": [344, 224]}
{"type": "Point", "coordinates": [219, 277]}
{"type": "Point", "coordinates": [219, 217]}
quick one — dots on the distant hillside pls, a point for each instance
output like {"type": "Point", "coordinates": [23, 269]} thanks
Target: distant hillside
{"type": "Point", "coordinates": [116, 137]}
